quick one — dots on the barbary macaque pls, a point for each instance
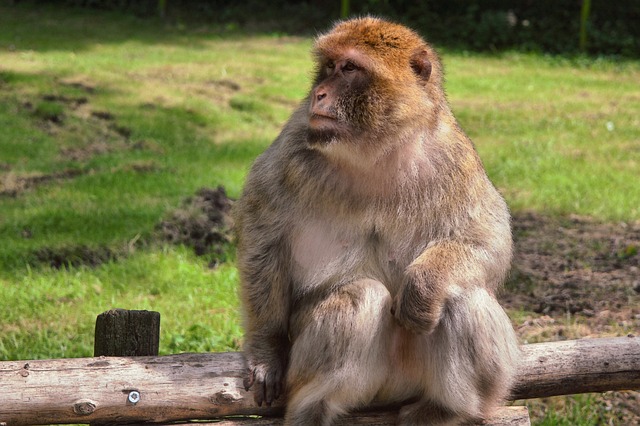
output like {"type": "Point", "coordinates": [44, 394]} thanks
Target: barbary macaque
{"type": "Point", "coordinates": [371, 244]}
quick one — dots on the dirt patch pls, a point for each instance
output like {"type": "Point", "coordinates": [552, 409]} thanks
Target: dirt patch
{"type": "Point", "coordinates": [80, 83]}
{"type": "Point", "coordinates": [226, 84]}
{"type": "Point", "coordinates": [68, 256]}
{"type": "Point", "coordinates": [140, 167]}
{"type": "Point", "coordinates": [72, 101]}
{"type": "Point", "coordinates": [12, 184]}
{"type": "Point", "coordinates": [203, 222]}
{"type": "Point", "coordinates": [576, 266]}
{"type": "Point", "coordinates": [84, 153]}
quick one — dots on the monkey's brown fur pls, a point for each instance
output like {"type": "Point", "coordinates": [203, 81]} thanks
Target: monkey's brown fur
{"type": "Point", "coordinates": [371, 243]}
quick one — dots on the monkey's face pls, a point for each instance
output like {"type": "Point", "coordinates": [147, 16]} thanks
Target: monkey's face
{"type": "Point", "coordinates": [374, 85]}
{"type": "Point", "coordinates": [343, 103]}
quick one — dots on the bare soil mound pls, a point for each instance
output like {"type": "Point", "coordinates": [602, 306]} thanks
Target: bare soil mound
{"type": "Point", "coordinates": [203, 222]}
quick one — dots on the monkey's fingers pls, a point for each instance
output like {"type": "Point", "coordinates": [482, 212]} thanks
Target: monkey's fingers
{"type": "Point", "coordinates": [258, 392]}
{"type": "Point", "coordinates": [272, 387]}
{"type": "Point", "coordinates": [258, 380]}
{"type": "Point", "coordinates": [248, 379]}
{"type": "Point", "coordinates": [279, 388]}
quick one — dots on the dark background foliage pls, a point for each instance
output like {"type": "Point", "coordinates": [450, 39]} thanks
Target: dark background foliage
{"type": "Point", "coordinates": [552, 26]}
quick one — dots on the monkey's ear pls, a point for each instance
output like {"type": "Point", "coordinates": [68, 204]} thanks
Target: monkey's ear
{"type": "Point", "coordinates": [421, 65]}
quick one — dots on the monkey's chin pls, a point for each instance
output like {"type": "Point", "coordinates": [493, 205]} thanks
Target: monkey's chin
{"type": "Point", "coordinates": [322, 136]}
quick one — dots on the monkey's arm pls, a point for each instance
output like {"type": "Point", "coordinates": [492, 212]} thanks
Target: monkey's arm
{"type": "Point", "coordinates": [265, 291]}
{"type": "Point", "coordinates": [265, 288]}
{"type": "Point", "coordinates": [444, 269]}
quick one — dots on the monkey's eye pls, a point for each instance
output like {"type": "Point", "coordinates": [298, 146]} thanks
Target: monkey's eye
{"type": "Point", "coordinates": [349, 67]}
{"type": "Point", "coordinates": [330, 66]}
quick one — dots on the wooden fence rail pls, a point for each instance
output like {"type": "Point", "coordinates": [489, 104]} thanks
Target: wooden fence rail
{"type": "Point", "coordinates": [162, 389]}
{"type": "Point", "coordinates": [204, 386]}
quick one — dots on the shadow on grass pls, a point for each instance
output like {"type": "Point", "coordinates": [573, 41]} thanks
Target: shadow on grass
{"type": "Point", "coordinates": [33, 27]}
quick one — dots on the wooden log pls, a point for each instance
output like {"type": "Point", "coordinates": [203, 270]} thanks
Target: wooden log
{"type": "Point", "coordinates": [121, 332]}
{"type": "Point", "coordinates": [578, 366]}
{"type": "Point", "coordinates": [204, 386]}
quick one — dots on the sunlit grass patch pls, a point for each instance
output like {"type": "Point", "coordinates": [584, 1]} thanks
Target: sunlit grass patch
{"type": "Point", "coordinates": [554, 137]}
{"type": "Point", "coordinates": [51, 313]}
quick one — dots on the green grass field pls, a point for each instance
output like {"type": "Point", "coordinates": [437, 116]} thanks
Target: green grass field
{"type": "Point", "coordinates": [108, 122]}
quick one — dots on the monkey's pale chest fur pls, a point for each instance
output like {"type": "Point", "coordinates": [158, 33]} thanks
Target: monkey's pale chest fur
{"type": "Point", "coordinates": [342, 239]}
{"type": "Point", "coordinates": [328, 251]}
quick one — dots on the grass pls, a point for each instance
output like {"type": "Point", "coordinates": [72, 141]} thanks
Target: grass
{"type": "Point", "coordinates": [52, 313]}
{"type": "Point", "coordinates": [109, 121]}
{"type": "Point", "coordinates": [554, 137]}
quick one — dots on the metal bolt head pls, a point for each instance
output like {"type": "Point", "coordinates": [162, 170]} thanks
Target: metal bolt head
{"type": "Point", "coordinates": [134, 397]}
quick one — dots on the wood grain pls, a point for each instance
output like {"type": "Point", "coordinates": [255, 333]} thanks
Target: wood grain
{"type": "Point", "coordinates": [205, 386]}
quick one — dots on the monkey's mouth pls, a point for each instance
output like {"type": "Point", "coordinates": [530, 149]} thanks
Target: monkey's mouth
{"type": "Point", "coordinates": [322, 117]}
{"type": "Point", "coordinates": [323, 121]}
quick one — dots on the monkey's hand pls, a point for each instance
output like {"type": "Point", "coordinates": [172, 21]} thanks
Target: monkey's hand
{"type": "Point", "coordinates": [267, 380]}
{"type": "Point", "coordinates": [419, 303]}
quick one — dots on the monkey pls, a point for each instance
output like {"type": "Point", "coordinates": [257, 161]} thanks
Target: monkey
{"type": "Point", "coordinates": [371, 245]}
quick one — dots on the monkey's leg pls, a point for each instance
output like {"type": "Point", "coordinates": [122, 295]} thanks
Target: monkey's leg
{"type": "Point", "coordinates": [339, 358]}
{"type": "Point", "coordinates": [470, 359]}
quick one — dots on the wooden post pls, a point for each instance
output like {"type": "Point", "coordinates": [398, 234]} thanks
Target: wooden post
{"type": "Point", "coordinates": [121, 332]}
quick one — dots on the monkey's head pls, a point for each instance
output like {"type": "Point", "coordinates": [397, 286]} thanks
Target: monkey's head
{"type": "Point", "coordinates": [373, 78]}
